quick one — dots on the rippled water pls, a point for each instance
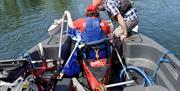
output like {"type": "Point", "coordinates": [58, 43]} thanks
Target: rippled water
{"type": "Point", "coordinates": [24, 23]}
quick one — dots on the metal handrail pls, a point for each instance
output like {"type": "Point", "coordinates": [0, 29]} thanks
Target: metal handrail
{"type": "Point", "coordinates": [60, 36]}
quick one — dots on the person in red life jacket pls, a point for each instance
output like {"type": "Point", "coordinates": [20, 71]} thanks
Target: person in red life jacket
{"type": "Point", "coordinates": [92, 21]}
{"type": "Point", "coordinates": [120, 11]}
{"type": "Point", "coordinates": [90, 28]}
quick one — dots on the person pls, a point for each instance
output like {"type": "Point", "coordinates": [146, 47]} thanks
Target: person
{"type": "Point", "coordinates": [91, 28]}
{"type": "Point", "coordinates": [121, 11]}
{"type": "Point", "coordinates": [85, 25]}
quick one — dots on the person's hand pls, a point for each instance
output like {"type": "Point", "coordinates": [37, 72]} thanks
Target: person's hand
{"type": "Point", "coordinates": [123, 36]}
{"type": "Point", "coordinates": [117, 33]}
{"type": "Point", "coordinates": [60, 76]}
{"type": "Point", "coordinates": [66, 12]}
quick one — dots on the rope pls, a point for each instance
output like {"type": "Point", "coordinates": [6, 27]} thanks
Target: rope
{"type": "Point", "coordinates": [148, 80]}
{"type": "Point", "coordinates": [161, 60]}
{"type": "Point", "coordinates": [29, 56]}
{"type": "Point", "coordinates": [138, 70]}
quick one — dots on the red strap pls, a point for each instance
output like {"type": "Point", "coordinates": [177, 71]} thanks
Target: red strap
{"type": "Point", "coordinates": [98, 63]}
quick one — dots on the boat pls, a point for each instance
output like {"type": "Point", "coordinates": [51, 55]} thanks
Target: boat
{"type": "Point", "coordinates": [140, 51]}
{"type": "Point", "coordinates": [144, 65]}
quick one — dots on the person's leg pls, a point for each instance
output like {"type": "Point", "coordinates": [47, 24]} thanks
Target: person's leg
{"type": "Point", "coordinates": [132, 24]}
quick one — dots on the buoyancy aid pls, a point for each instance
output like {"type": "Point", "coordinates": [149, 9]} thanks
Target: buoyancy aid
{"type": "Point", "coordinates": [93, 32]}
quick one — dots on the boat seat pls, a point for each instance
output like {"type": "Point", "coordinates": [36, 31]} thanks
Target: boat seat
{"type": "Point", "coordinates": [142, 88]}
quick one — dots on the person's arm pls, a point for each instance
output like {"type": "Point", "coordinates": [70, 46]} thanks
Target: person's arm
{"type": "Point", "coordinates": [123, 25]}
{"type": "Point", "coordinates": [69, 19]}
{"type": "Point", "coordinates": [112, 8]}
{"type": "Point", "coordinates": [96, 2]}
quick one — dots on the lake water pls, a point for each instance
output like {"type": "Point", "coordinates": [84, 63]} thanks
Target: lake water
{"type": "Point", "coordinates": [24, 23]}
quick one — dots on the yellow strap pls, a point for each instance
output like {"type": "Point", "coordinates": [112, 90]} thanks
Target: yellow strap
{"type": "Point", "coordinates": [97, 51]}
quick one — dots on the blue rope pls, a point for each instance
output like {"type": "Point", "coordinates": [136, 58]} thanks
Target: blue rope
{"type": "Point", "coordinates": [29, 56]}
{"type": "Point", "coordinates": [148, 80]}
{"type": "Point", "coordinates": [138, 70]}
{"type": "Point", "coordinates": [161, 60]}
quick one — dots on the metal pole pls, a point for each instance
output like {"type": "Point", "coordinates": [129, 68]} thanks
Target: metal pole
{"type": "Point", "coordinates": [119, 84]}
{"type": "Point", "coordinates": [60, 36]}
{"type": "Point", "coordinates": [122, 63]}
